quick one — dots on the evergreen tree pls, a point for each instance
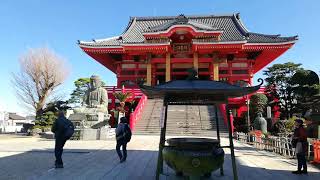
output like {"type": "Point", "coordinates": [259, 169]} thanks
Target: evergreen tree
{"type": "Point", "coordinates": [82, 85]}
{"type": "Point", "coordinates": [279, 88]}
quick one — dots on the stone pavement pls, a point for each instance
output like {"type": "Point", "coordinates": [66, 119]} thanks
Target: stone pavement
{"type": "Point", "coordinates": [32, 158]}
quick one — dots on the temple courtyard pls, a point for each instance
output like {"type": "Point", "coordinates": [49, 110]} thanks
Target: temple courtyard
{"type": "Point", "coordinates": [24, 157]}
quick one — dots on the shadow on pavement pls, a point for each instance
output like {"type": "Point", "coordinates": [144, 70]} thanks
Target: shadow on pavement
{"type": "Point", "coordinates": [104, 164]}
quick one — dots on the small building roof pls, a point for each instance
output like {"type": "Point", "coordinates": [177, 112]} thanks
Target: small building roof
{"type": "Point", "coordinates": [233, 30]}
{"type": "Point", "coordinates": [14, 116]}
{"type": "Point", "coordinates": [198, 91]}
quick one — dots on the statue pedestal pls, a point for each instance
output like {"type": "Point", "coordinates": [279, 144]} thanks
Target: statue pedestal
{"type": "Point", "coordinates": [88, 134]}
{"type": "Point", "coordinates": [89, 120]}
{"type": "Point", "coordinates": [92, 126]}
{"type": "Point", "coordinates": [104, 133]}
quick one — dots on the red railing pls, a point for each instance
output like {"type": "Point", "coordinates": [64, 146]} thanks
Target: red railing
{"type": "Point", "coordinates": [222, 108]}
{"type": "Point", "coordinates": [136, 114]}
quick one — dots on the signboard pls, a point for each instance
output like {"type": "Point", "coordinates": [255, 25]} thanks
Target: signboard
{"type": "Point", "coordinates": [181, 47]}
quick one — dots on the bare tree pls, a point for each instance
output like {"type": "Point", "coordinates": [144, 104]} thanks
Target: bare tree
{"type": "Point", "coordinates": [41, 72]}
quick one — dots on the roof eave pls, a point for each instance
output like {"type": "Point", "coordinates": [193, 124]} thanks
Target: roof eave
{"type": "Point", "coordinates": [161, 91]}
{"type": "Point", "coordinates": [274, 43]}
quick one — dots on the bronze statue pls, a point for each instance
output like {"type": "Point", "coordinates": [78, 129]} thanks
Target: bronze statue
{"type": "Point", "coordinates": [96, 96]}
{"type": "Point", "coordinates": [94, 109]}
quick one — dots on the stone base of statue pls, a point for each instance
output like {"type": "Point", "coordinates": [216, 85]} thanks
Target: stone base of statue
{"type": "Point", "coordinates": [92, 125]}
{"type": "Point", "coordinates": [103, 133]}
{"type": "Point", "coordinates": [89, 120]}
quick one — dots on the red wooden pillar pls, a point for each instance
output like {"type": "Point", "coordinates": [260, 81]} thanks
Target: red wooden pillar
{"type": "Point", "coordinates": [113, 100]}
{"type": "Point", "coordinates": [211, 70]}
{"type": "Point", "coordinates": [118, 74]}
{"type": "Point", "coordinates": [230, 79]}
{"type": "Point", "coordinates": [136, 71]}
{"type": "Point", "coordinates": [153, 74]}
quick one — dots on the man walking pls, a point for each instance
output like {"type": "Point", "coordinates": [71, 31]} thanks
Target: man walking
{"type": "Point", "coordinates": [63, 130]}
{"type": "Point", "coordinates": [123, 136]}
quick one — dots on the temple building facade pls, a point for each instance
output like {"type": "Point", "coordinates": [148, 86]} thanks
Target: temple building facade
{"type": "Point", "coordinates": [163, 48]}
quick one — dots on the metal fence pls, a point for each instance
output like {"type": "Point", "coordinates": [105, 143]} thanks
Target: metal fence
{"type": "Point", "coordinates": [277, 144]}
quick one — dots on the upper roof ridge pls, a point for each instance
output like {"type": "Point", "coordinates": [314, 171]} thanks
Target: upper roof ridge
{"type": "Point", "coordinates": [141, 18]}
{"type": "Point", "coordinates": [241, 27]}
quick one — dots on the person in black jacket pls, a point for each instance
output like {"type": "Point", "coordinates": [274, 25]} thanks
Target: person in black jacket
{"type": "Point", "coordinates": [58, 130]}
{"type": "Point", "coordinates": [123, 136]}
{"type": "Point", "coordinates": [299, 141]}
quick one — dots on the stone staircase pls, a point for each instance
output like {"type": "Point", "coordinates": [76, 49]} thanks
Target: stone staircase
{"type": "Point", "coordinates": [149, 122]}
{"type": "Point", "coordinates": [183, 120]}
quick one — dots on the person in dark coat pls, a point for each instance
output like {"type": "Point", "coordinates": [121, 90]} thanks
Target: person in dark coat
{"type": "Point", "coordinates": [123, 135]}
{"type": "Point", "coordinates": [299, 141]}
{"type": "Point", "coordinates": [60, 139]}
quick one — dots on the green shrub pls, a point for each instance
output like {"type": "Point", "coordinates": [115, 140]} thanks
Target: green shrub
{"type": "Point", "coordinates": [46, 129]}
{"type": "Point", "coordinates": [290, 123]}
{"type": "Point", "coordinates": [36, 127]}
{"type": "Point", "coordinates": [258, 104]}
{"type": "Point", "coordinates": [36, 130]}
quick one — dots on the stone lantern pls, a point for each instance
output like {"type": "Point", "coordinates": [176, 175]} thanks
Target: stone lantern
{"type": "Point", "coordinates": [260, 123]}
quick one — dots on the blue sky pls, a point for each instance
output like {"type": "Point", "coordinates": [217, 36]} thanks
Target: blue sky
{"type": "Point", "coordinates": [59, 24]}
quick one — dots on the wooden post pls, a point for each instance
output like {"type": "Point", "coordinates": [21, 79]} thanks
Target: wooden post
{"type": "Point", "coordinates": [216, 71]}
{"type": "Point", "coordinates": [211, 70]}
{"type": "Point", "coordinates": [217, 122]}
{"type": "Point", "coordinates": [218, 134]}
{"type": "Point", "coordinates": [153, 75]}
{"type": "Point", "coordinates": [162, 139]}
{"type": "Point", "coordinates": [195, 61]}
{"type": "Point", "coordinates": [113, 99]}
{"type": "Point", "coordinates": [118, 74]}
{"type": "Point", "coordinates": [149, 69]}
{"type": "Point", "coordinates": [168, 67]}
{"type": "Point", "coordinates": [215, 61]}
{"type": "Point", "coordinates": [233, 160]}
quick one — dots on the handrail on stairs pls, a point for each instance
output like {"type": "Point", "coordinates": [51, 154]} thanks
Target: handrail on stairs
{"type": "Point", "coordinates": [137, 113]}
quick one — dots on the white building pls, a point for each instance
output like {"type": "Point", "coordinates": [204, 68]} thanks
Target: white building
{"type": "Point", "coordinates": [12, 122]}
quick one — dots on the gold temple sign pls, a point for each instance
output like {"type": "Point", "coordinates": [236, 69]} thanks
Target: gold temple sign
{"type": "Point", "coordinates": [181, 47]}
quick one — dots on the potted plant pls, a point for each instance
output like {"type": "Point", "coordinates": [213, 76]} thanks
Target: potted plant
{"type": "Point", "coordinates": [122, 97]}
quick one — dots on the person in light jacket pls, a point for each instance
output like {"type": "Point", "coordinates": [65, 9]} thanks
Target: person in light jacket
{"type": "Point", "coordinates": [299, 141]}
{"type": "Point", "coordinates": [123, 136]}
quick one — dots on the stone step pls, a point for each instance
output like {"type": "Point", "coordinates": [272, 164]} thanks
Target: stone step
{"type": "Point", "coordinates": [200, 119]}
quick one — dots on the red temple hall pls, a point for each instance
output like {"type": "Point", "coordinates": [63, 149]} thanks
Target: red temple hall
{"type": "Point", "coordinates": [162, 48]}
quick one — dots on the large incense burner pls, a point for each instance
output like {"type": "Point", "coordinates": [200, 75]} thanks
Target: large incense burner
{"type": "Point", "coordinates": [193, 156]}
